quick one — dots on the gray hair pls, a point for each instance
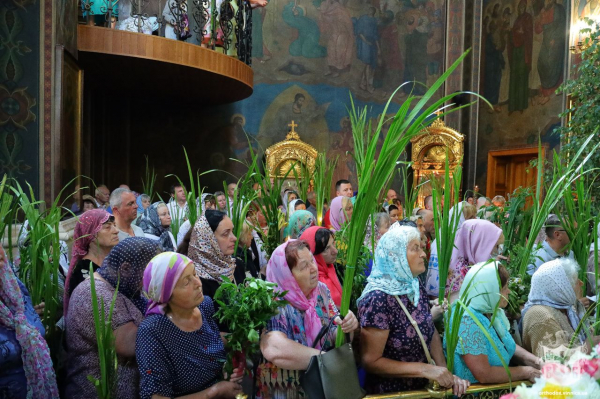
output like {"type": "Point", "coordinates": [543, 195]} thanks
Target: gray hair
{"type": "Point", "coordinates": [382, 217]}
{"type": "Point", "coordinates": [552, 224]}
{"type": "Point", "coordinates": [116, 198]}
{"type": "Point", "coordinates": [571, 269]}
{"type": "Point", "coordinates": [98, 189]}
{"type": "Point", "coordinates": [145, 197]}
{"type": "Point", "coordinates": [415, 218]}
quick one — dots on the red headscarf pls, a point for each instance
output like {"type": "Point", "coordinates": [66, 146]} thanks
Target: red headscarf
{"type": "Point", "coordinates": [327, 274]}
{"type": "Point", "coordinates": [88, 225]}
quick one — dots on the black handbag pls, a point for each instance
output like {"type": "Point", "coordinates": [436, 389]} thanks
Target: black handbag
{"type": "Point", "coordinates": [333, 374]}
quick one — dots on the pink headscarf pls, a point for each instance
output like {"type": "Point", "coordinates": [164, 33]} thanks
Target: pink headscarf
{"type": "Point", "coordinates": [473, 244]}
{"type": "Point", "coordinates": [160, 277]}
{"type": "Point", "coordinates": [88, 225]}
{"type": "Point", "coordinates": [280, 273]}
{"type": "Point", "coordinates": [337, 217]}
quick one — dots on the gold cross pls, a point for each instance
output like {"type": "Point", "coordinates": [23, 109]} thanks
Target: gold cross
{"type": "Point", "coordinates": [293, 125]}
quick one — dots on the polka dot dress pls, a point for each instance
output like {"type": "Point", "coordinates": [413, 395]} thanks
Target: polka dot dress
{"type": "Point", "coordinates": [173, 362]}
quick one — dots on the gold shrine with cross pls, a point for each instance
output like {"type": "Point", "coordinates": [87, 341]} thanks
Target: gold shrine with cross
{"type": "Point", "coordinates": [289, 155]}
{"type": "Point", "coordinates": [429, 150]}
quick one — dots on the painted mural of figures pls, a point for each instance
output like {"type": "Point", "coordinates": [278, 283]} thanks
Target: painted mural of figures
{"type": "Point", "coordinates": [435, 46]}
{"type": "Point", "coordinates": [340, 46]}
{"type": "Point", "coordinates": [494, 61]}
{"type": "Point", "coordinates": [307, 44]}
{"type": "Point", "coordinates": [552, 24]}
{"type": "Point", "coordinates": [392, 62]}
{"type": "Point", "coordinates": [367, 47]}
{"type": "Point", "coordinates": [588, 8]}
{"type": "Point", "coordinates": [415, 68]}
{"type": "Point", "coordinates": [504, 38]}
{"type": "Point", "coordinates": [519, 55]}
{"type": "Point", "coordinates": [259, 45]}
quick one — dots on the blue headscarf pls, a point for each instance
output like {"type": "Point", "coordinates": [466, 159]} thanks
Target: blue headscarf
{"type": "Point", "coordinates": [138, 201]}
{"type": "Point", "coordinates": [149, 222]}
{"type": "Point", "coordinates": [137, 252]}
{"type": "Point", "coordinates": [391, 272]}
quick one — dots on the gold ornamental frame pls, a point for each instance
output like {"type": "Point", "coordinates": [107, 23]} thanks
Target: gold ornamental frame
{"type": "Point", "coordinates": [290, 153]}
{"type": "Point", "coordinates": [428, 155]}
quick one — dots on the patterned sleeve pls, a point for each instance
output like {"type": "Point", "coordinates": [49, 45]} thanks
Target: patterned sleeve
{"type": "Point", "coordinates": [279, 322]}
{"type": "Point", "coordinates": [154, 364]}
{"type": "Point", "coordinates": [475, 342]}
{"type": "Point", "coordinates": [374, 311]}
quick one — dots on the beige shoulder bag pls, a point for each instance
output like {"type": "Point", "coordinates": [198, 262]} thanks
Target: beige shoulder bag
{"type": "Point", "coordinates": [416, 327]}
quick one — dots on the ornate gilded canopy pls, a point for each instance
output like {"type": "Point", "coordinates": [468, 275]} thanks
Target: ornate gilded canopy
{"type": "Point", "coordinates": [290, 153]}
{"type": "Point", "coordinates": [428, 156]}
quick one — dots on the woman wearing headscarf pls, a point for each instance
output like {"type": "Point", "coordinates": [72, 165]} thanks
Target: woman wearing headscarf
{"type": "Point", "coordinates": [179, 341]}
{"type": "Point", "coordinates": [485, 291]}
{"type": "Point", "coordinates": [287, 344]}
{"type": "Point", "coordinates": [287, 196]}
{"type": "Point", "coordinates": [392, 352]}
{"type": "Point", "coordinates": [94, 237]}
{"type": "Point", "coordinates": [476, 241]}
{"type": "Point", "coordinates": [143, 202]}
{"type": "Point", "coordinates": [340, 212]}
{"type": "Point", "coordinates": [299, 222]}
{"type": "Point", "coordinates": [211, 248]}
{"type": "Point", "coordinates": [25, 365]}
{"type": "Point", "coordinates": [156, 224]}
{"type": "Point", "coordinates": [322, 246]}
{"type": "Point", "coordinates": [382, 223]}
{"type": "Point", "coordinates": [552, 309]}
{"type": "Point", "coordinates": [122, 270]}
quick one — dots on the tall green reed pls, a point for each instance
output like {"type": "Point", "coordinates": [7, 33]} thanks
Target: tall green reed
{"type": "Point", "coordinates": [149, 180]}
{"type": "Point", "coordinates": [374, 171]}
{"type": "Point", "coordinates": [105, 341]}
{"type": "Point", "coordinates": [411, 193]}
{"type": "Point", "coordinates": [576, 215]}
{"type": "Point", "coordinates": [323, 177]}
{"type": "Point", "coordinates": [243, 197]}
{"type": "Point", "coordinates": [561, 179]}
{"type": "Point", "coordinates": [446, 219]}
{"type": "Point", "coordinates": [303, 179]}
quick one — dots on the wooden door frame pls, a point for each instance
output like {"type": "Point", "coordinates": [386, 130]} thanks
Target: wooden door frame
{"type": "Point", "coordinates": [493, 155]}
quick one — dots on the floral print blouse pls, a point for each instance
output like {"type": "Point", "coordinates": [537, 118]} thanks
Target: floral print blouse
{"type": "Point", "coordinates": [274, 382]}
{"type": "Point", "coordinates": [380, 310]}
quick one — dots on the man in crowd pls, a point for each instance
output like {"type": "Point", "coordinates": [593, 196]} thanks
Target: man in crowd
{"type": "Point", "coordinates": [428, 202]}
{"type": "Point", "coordinates": [178, 208]}
{"type": "Point", "coordinates": [555, 246]}
{"type": "Point", "coordinates": [122, 202]}
{"type": "Point", "coordinates": [102, 195]}
{"type": "Point", "coordinates": [311, 197]}
{"type": "Point", "coordinates": [231, 187]}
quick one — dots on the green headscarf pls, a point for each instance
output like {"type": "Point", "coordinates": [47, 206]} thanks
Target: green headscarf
{"type": "Point", "coordinates": [482, 286]}
{"type": "Point", "coordinates": [299, 222]}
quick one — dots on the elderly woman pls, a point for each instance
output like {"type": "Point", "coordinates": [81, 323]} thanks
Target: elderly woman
{"type": "Point", "coordinates": [392, 352]}
{"type": "Point", "coordinates": [156, 224]}
{"type": "Point", "coordinates": [143, 202]}
{"type": "Point", "coordinates": [178, 347]}
{"type": "Point", "coordinates": [374, 233]}
{"type": "Point", "coordinates": [476, 241]}
{"type": "Point", "coordinates": [322, 246]}
{"type": "Point", "coordinates": [552, 309]}
{"type": "Point", "coordinates": [475, 357]}
{"type": "Point", "coordinates": [340, 212]}
{"type": "Point", "coordinates": [299, 222]}
{"type": "Point", "coordinates": [122, 270]}
{"type": "Point", "coordinates": [94, 237]}
{"type": "Point", "coordinates": [287, 344]}
{"type": "Point", "coordinates": [25, 365]}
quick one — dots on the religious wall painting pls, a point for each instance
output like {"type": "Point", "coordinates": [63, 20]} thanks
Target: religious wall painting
{"type": "Point", "coordinates": [368, 46]}
{"type": "Point", "coordinates": [295, 103]}
{"type": "Point", "coordinates": [523, 62]}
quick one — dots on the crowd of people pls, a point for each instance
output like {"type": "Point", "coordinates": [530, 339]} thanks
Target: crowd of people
{"type": "Point", "coordinates": [168, 343]}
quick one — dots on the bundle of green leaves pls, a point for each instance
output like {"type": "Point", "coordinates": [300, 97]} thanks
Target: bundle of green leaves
{"type": "Point", "coordinates": [246, 308]}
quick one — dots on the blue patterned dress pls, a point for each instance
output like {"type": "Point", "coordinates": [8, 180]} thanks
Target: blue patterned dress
{"type": "Point", "coordinates": [380, 310]}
